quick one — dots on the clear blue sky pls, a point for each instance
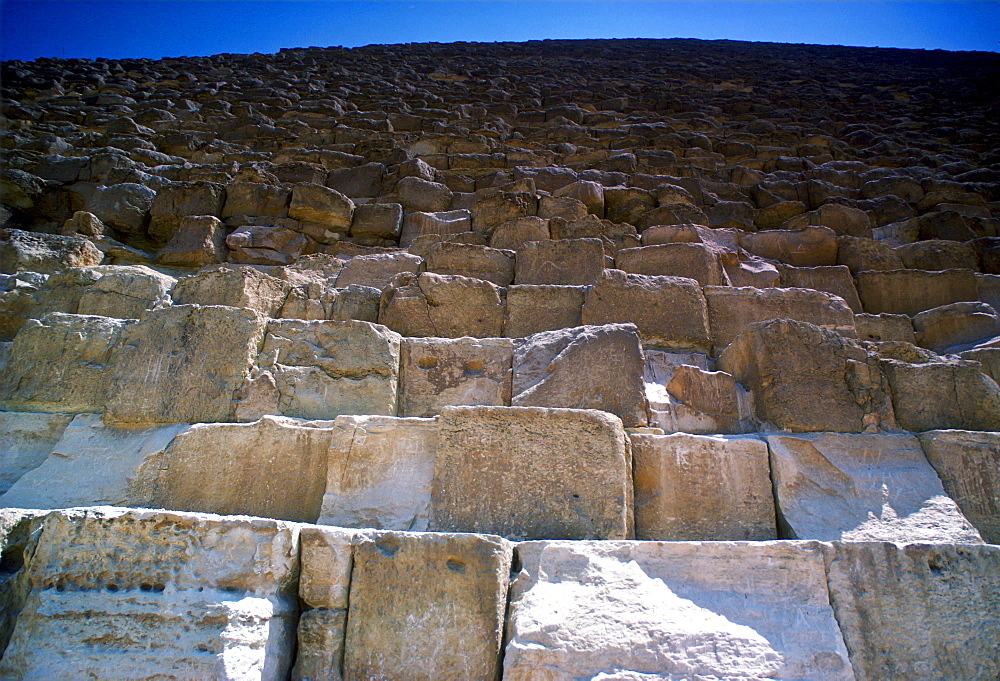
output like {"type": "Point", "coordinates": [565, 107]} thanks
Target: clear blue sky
{"type": "Point", "coordinates": [155, 28]}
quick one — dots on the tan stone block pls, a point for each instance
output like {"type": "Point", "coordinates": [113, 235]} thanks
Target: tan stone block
{"type": "Point", "coordinates": [862, 487]}
{"type": "Point", "coordinates": [439, 372]}
{"type": "Point", "coordinates": [321, 205]}
{"type": "Point", "coordinates": [249, 198]}
{"type": "Point", "coordinates": [672, 610]}
{"type": "Point", "coordinates": [693, 260]}
{"type": "Point", "coordinates": [514, 234]}
{"type": "Point", "coordinates": [62, 363]}
{"type": "Point", "coordinates": [26, 439]}
{"type": "Point", "coordinates": [199, 240]}
{"type": "Point", "coordinates": [833, 279]}
{"type": "Point", "coordinates": [235, 286]}
{"type": "Point", "coordinates": [469, 260]}
{"type": "Point", "coordinates": [567, 262]}
{"type": "Point", "coordinates": [917, 611]}
{"type": "Point", "coordinates": [533, 308]}
{"type": "Point", "coordinates": [693, 487]}
{"type": "Point", "coordinates": [442, 306]}
{"type": "Point", "coordinates": [125, 291]}
{"type": "Point", "coordinates": [379, 473]}
{"type": "Point", "coordinates": [377, 269]}
{"type": "Point", "coordinates": [884, 327]}
{"type": "Point", "coordinates": [942, 393]}
{"type": "Point", "coordinates": [714, 392]}
{"type": "Point", "coordinates": [445, 223]}
{"type": "Point", "coordinates": [319, 652]}
{"type": "Point", "coordinates": [806, 247]}
{"type": "Point", "coordinates": [445, 617]}
{"type": "Point", "coordinates": [911, 291]}
{"type": "Point", "coordinates": [495, 465]}
{"type": "Point", "coordinates": [959, 324]}
{"type": "Point", "coordinates": [199, 354]}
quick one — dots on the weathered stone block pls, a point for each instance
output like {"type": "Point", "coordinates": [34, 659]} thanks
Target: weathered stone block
{"type": "Point", "coordinates": [22, 251]}
{"type": "Point", "coordinates": [862, 487]}
{"type": "Point", "coordinates": [249, 198]}
{"type": "Point", "coordinates": [442, 306]}
{"type": "Point", "coordinates": [182, 364]}
{"type": "Point", "coordinates": [26, 439]}
{"type": "Point", "coordinates": [379, 220]}
{"type": "Point", "coordinates": [534, 308]}
{"type": "Point", "coordinates": [586, 367]}
{"type": "Point", "coordinates": [379, 473]}
{"type": "Point", "coordinates": [917, 611]}
{"type": "Point", "coordinates": [445, 620]}
{"type": "Point", "coordinates": [693, 260]}
{"type": "Point", "coordinates": [62, 363]}
{"type": "Point", "coordinates": [958, 324]}
{"type": "Point", "coordinates": [911, 291]}
{"type": "Point", "coordinates": [321, 205]}
{"type": "Point", "coordinates": [693, 487]}
{"type": "Point", "coordinates": [469, 260]}
{"type": "Point", "coordinates": [806, 247]}
{"type": "Point", "coordinates": [833, 279]}
{"type": "Point", "coordinates": [567, 262]}
{"type": "Point", "coordinates": [125, 291]}
{"type": "Point", "coordinates": [668, 311]}
{"type": "Point", "coordinates": [377, 269]}
{"type": "Point", "coordinates": [199, 240]}
{"type": "Point", "coordinates": [439, 372]}
{"type": "Point", "coordinates": [234, 286]}
{"type": "Point", "coordinates": [324, 368]}
{"type": "Point", "coordinates": [947, 393]}
{"type": "Point", "coordinates": [445, 223]}
{"type": "Point", "coordinates": [884, 327]}
{"type": "Point", "coordinates": [671, 610]}
{"type": "Point", "coordinates": [968, 464]}
{"type": "Point", "coordinates": [514, 234]}
{"type": "Point", "coordinates": [495, 464]}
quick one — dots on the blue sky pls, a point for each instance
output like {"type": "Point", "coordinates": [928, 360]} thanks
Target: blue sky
{"type": "Point", "coordinates": [161, 28]}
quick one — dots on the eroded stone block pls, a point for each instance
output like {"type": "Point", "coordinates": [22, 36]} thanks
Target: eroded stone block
{"type": "Point", "coordinates": [440, 372]}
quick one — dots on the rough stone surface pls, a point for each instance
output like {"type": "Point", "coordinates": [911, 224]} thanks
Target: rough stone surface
{"type": "Point", "coordinates": [533, 308]}
{"type": "Point", "coordinates": [862, 487]}
{"type": "Point", "coordinates": [942, 393]}
{"type": "Point", "coordinates": [233, 286]}
{"type": "Point", "coordinates": [672, 610]}
{"type": "Point", "coordinates": [693, 260]}
{"type": "Point", "coordinates": [26, 439]}
{"type": "Point", "coordinates": [125, 291]}
{"type": "Point", "coordinates": [377, 269]}
{"type": "Point", "coordinates": [911, 291]}
{"type": "Point", "coordinates": [438, 372]}
{"type": "Point", "coordinates": [694, 487]}
{"type": "Point", "coordinates": [567, 262]}
{"type": "Point", "coordinates": [22, 251]}
{"type": "Point", "coordinates": [585, 367]}
{"type": "Point", "coordinates": [442, 306]}
{"type": "Point", "coordinates": [495, 464]}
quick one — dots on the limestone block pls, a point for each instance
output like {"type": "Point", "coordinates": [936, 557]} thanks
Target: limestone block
{"type": "Point", "coordinates": [669, 311]}
{"type": "Point", "coordinates": [319, 652]}
{"type": "Point", "coordinates": [249, 198]}
{"type": "Point", "coordinates": [862, 487]}
{"type": "Point", "coordinates": [175, 201]}
{"type": "Point", "coordinates": [693, 260]}
{"type": "Point", "coordinates": [917, 611]}
{"type": "Point", "coordinates": [125, 291]}
{"type": "Point", "coordinates": [911, 291]}
{"type": "Point", "coordinates": [469, 260]}
{"type": "Point", "coordinates": [733, 309]}
{"type": "Point", "coordinates": [125, 207]}
{"type": "Point", "coordinates": [515, 234]}
{"type": "Point", "coordinates": [743, 270]}
{"type": "Point", "coordinates": [806, 247]}
{"type": "Point", "coordinates": [840, 218]}
{"type": "Point", "coordinates": [379, 473]}
{"type": "Point", "coordinates": [833, 279]}
{"type": "Point", "coordinates": [22, 251]}
{"type": "Point", "coordinates": [274, 468]}
{"type": "Point", "coordinates": [445, 620]}
{"type": "Point", "coordinates": [445, 223]}
{"type": "Point", "coordinates": [492, 211]}
{"type": "Point", "coordinates": [145, 594]}
{"type": "Point", "coordinates": [590, 193]}
{"type": "Point", "coordinates": [377, 269]}
{"type": "Point", "coordinates": [945, 393]}
{"type": "Point", "coordinates": [417, 194]}
{"type": "Point", "coordinates": [440, 372]}
{"type": "Point", "coordinates": [585, 367]}
{"type": "Point", "coordinates": [671, 610]}
{"type": "Point", "coordinates": [199, 240]}
{"type": "Point", "coordinates": [234, 286]}
{"type": "Point", "coordinates": [567, 262]}
{"type": "Point", "coordinates": [988, 358]}
{"type": "Point", "coordinates": [565, 207]}
{"type": "Point", "coordinates": [26, 439]}
{"type": "Point", "coordinates": [694, 487]}
{"type": "Point", "coordinates": [884, 327]}
{"type": "Point", "coordinates": [62, 363]}
{"type": "Point", "coordinates": [182, 364]}
{"type": "Point", "coordinates": [495, 465]}
{"type": "Point", "coordinates": [325, 368]}
{"type": "Point", "coordinates": [357, 181]}
{"type": "Point", "coordinates": [379, 220]}
{"type": "Point", "coordinates": [16, 304]}
{"type": "Point", "coordinates": [321, 205]}
{"type": "Point", "coordinates": [442, 306]}
{"type": "Point", "coordinates": [938, 254]}
{"type": "Point", "coordinates": [533, 308]}
{"type": "Point", "coordinates": [626, 204]}
{"type": "Point", "coordinates": [702, 401]}
{"type": "Point", "coordinates": [806, 378]}
{"type": "Point", "coordinates": [958, 324]}
{"type": "Point", "coordinates": [968, 464]}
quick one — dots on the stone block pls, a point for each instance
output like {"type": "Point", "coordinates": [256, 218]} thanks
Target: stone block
{"type": "Point", "coordinates": [446, 223]}
{"type": "Point", "coordinates": [534, 308]}
{"type": "Point", "coordinates": [182, 364]}
{"type": "Point", "coordinates": [249, 198]}
{"type": "Point", "coordinates": [833, 279]}
{"type": "Point", "coordinates": [862, 487]}
{"type": "Point", "coordinates": [379, 473]}
{"type": "Point", "coordinates": [273, 468]}
{"type": "Point", "coordinates": [670, 312]}
{"type": "Point", "coordinates": [91, 464]}
{"type": "Point", "coordinates": [490, 212]}
{"type": "Point", "coordinates": [319, 205]}
{"type": "Point", "coordinates": [585, 367]}
{"type": "Point", "coordinates": [363, 181]}
{"type": "Point", "coordinates": [733, 309]}
{"type": "Point", "coordinates": [702, 488]}
{"type": "Point", "coordinates": [515, 234]}
{"type": "Point", "coordinates": [62, 363]}
{"type": "Point", "coordinates": [957, 326]}
{"type": "Point", "coordinates": [26, 439]}
{"type": "Point", "coordinates": [125, 291]}
{"type": "Point", "coordinates": [22, 251]}
{"type": "Point", "coordinates": [806, 378]}
{"type": "Point", "coordinates": [495, 465]}
{"type": "Point", "coordinates": [377, 269]}
{"type": "Point", "coordinates": [917, 611]}
{"type": "Point", "coordinates": [911, 291]}
{"type": "Point", "coordinates": [176, 201]}
{"type": "Point", "coordinates": [378, 220]}
{"type": "Point", "coordinates": [118, 593]}
{"type": "Point", "coordinates": [325, 368]}
{"type": "Point", "coordinates": [470, 260]}
{"type": "Point", "coordinates": [806, 247]}
{"type": "Point", "coordinates": [442, 306]}
{"type": "Point", "coordinates": [884, 327]}
{"type": "Point", "coordinates": [233, 286]}
{"type": "Point", "coordinates": [693, 260]}
{"type": "Point", "coordinates": [567, 262]}
{"type": "Point", "coordinates": [940, 394]}
{"type": "Point", "coordinates": [968, 464]}
{"type": "Point", "coordinates": [445, 619]}
{"type": "Point", "coordinates": [416, 194]}
{"type": "Point", "coordinates": [672, 610]}
{"type": "Point", "coordinates": [440, 372]}
{"type": "Point", "coordinates": [199, 240]}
